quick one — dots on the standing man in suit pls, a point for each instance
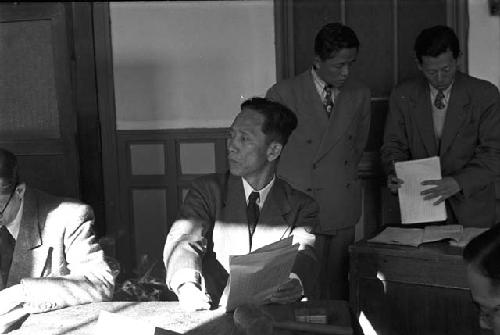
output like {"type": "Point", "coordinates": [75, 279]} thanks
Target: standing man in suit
{"type": "Point", "coordinates": [322, 157]}
{"type": "Point", "coordinates": [235, 213]}
{"type": "Point", "coordinates": [449, 114]}
{"type": "Point", "coordinates": [49, 257]}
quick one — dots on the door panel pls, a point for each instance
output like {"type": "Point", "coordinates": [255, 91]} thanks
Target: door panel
{"type": "Point", "coordinates": [37, 118]}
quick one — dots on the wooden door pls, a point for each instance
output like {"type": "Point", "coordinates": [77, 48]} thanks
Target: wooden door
{"type": "Point", "coordinates": [37, 117]}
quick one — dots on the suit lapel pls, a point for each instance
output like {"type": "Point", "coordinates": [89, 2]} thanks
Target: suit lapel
{"type": "Point", "coordinates": [422, 112]}
{"type": "Point", "coordinates": [276, 208]}
{"type": "Point", "coordinates": [234, 209]}
{"type": "Point", "coordinates": [28, 259]}
{"type": "Point", "coordinates": [313, 102]}
{"type": "Point", "coordinates": [455, 114]}
{"type": "Point", "coordinates": [338, 124]}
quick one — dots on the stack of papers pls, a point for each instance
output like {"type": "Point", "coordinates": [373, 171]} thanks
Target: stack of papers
{"type": "Point", "coordinates": [253, 278]}
{"type": "Point", "coordinates": [414, 209]}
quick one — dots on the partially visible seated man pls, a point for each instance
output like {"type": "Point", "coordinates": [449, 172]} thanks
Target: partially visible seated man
{"type": "Point", "coordinates": [49, 257]}
{"type": "Point", "coordinates": [238, 212]}
{"type": "Point", "coordinates": [482, 256]}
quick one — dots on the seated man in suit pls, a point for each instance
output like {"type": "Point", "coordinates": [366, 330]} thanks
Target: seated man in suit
{"type": "Point", "coordinates": [49, 257]}
{"type": "Point", "coordinates": [482, 256]}
{"type": "Point", "coordinates": [235, 213]}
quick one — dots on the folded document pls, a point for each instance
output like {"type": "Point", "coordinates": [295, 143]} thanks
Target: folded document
{"type": "Point", "coordinates": [253, 278]}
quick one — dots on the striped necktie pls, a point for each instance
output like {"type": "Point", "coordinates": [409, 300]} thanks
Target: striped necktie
{"type": "Point", "coordinates": [328, 104]}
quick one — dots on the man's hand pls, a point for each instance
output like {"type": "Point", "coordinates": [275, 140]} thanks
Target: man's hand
{"type": "Point", "coordinates": [290, 291]}
{"type": "Point", "coordinates": [393, 183]}
{"type": "Point", "coordinates": [192, 298]}
{"type": "Point", "coordinates": [444, 189]}
{"type": "Point", "coordinates": [10, 298]}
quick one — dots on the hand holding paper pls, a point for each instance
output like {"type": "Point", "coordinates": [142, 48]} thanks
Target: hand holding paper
{"type": "Point", "coordinates": [290, 291]}
{"type": "Point", "coordinates": [444, 189]}
{"type": "Point", "coordinates": [414, 207]}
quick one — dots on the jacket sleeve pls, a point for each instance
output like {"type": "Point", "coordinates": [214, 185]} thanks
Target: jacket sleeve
{"type": "Point", "coordinates": [484, 166]}
{"type": "Point", "coordinates": [86, 277]}
{"type": "Point", "coordinates": [364, 124]}
{"type": "Point", "coordinates": [306, 264]}
{"type": "Point", "coordinates": [186, 242]}
{"type": "Point", "coordinates": [395, 147]}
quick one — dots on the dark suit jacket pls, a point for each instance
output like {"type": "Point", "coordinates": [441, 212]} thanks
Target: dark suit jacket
{"type": "Point", "coordinates": [322, 155]}
{"type": "Point", "coordinates": [56, 257]}
{"type": "Point", "coordinates": [470, 143]}
{"type": "Point", "coordinates": [218, 200]}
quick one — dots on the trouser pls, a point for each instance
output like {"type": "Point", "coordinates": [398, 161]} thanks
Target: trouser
{"type": "Point", "coordinates": [334, 263]}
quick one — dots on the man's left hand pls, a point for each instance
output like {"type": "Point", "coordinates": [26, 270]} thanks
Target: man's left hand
{"type": "Point", "coordinates": [290, 291]}
{"type": "Point", "coordinates": [444, 189]}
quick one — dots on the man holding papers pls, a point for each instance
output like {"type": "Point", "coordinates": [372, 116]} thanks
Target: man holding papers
{"type": "Point", "coordinates": [239, 212]}
{"type": "Point", "coordinates": [454, 116]}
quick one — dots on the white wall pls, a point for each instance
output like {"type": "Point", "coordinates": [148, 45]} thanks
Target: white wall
{"type": "Point", "coordinates": [484, 42]}
{"type": "Point", "coordinates": [189, 63]}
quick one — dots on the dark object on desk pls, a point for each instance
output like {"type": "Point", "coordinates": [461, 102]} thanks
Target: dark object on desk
{"type": "Point", "coordinates": [337, 312]}
{"type": "Point", "coordinates": [494, 7]}
{"type": "Point", "coordinates": [407, 290]}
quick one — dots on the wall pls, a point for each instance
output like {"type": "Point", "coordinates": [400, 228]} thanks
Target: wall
{"type": "Point", "coordinates": [484, 42]}
{"type": "Point", "coordinates": [189, 63]}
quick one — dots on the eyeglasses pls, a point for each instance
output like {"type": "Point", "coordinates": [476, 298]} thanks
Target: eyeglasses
{"type": "Point", "coordinates": [7, 203]}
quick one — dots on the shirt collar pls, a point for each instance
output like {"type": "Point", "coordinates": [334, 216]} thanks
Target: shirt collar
{"type": "Point", "coordinates": [262, 193]}
{"type": "Point", "coordinates": [446, 92]}
{"type": "Point", "coordinates": [14, 226]}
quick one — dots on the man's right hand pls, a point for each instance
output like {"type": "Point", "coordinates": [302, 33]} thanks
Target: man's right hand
{"type": "Point", "coordinates": [192, 298]}
{"type": "Point", "coordinates": [393, 183]}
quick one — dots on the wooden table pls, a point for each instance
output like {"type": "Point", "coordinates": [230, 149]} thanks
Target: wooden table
{"type": "Point", "coordinates": [408, 290]}
{"type": "Point", "coordinates": [168, 316]}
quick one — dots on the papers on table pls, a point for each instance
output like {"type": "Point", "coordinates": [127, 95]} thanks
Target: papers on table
{"type": "Point", "coordinates": [112, 323]}
{"type": "Point", "coordinates": [414, 209]}
{"type": "Point", "coordinates": [457, 234]}
{"type": "Point", "coordinates": [254, 277]}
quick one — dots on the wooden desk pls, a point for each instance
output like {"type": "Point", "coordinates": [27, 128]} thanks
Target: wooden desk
{"type": "Point", "coordinates": [82, 319]}
{"type": "Point", "coordinates": [408, 290]}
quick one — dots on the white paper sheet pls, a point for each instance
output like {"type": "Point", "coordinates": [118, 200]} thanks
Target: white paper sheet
{"type": "Point", "coordinates": [413, 207]}
{"type": "Point", "coordinates": [254, 277]}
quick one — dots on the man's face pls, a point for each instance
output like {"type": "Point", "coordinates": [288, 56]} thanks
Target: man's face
{"type": "Point", "coordinates": [335, 70]}
{"type": "Point", "coordinates": [10, 203]}
{"type": "Point", "coordinates": [486, 297]}
{"type": "Point", "coordinates": [249, 154]}
{"type": "Point", "coordinates": [439, 71]}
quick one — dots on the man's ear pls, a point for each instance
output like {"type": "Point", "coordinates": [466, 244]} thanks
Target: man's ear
{"type": "Point", "coordinates": [20, 189]}
{"type": "Point", "coordinates": [274, 151]}
{"type": "Point", "coordinates": [419, 65]}
{"type": "Point", "coordinates": [316, 62]}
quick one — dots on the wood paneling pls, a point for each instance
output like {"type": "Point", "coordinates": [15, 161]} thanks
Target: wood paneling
{"type": "Point", "coordinates": [408, 290]}
{"type": "Point", "coordinates": [171, 183]}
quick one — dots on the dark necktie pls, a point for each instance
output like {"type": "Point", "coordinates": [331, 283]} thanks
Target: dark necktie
{"type": "Point", "coordinates": [328, 104]}
{"type": "Point", "coordinates": [7, 244]}
{"type": "Point", "coordinates": [439, 100]}
{"type": "Point", "coordinates": [252, 215]}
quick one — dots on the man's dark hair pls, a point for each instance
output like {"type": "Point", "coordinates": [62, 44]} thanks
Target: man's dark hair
{"type": "Point", "coordinates": [9, 177]}
{"type": "Point", "coordinates": [332, 38]}
{"type": "Point", "coordinates": [436, 40]}
{"type": "Point", "coordinates": [279, 120]}
{"type": "Point", "coordinates": [484, 253]}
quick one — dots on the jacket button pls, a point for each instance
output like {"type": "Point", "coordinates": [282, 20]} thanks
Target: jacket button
{"type": "Point", "coordinates": [346, 162]}
{"type": "Point", "coordinates": [350, 137]}
{"type": "Point", "coordinates": [309, 141]}
{"type": "Point", "coordinates": [309, 189]}
{"type": "Point", "coordinates": [348, 185]}
{"type": "Point", "coordinates": [314, 166]}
